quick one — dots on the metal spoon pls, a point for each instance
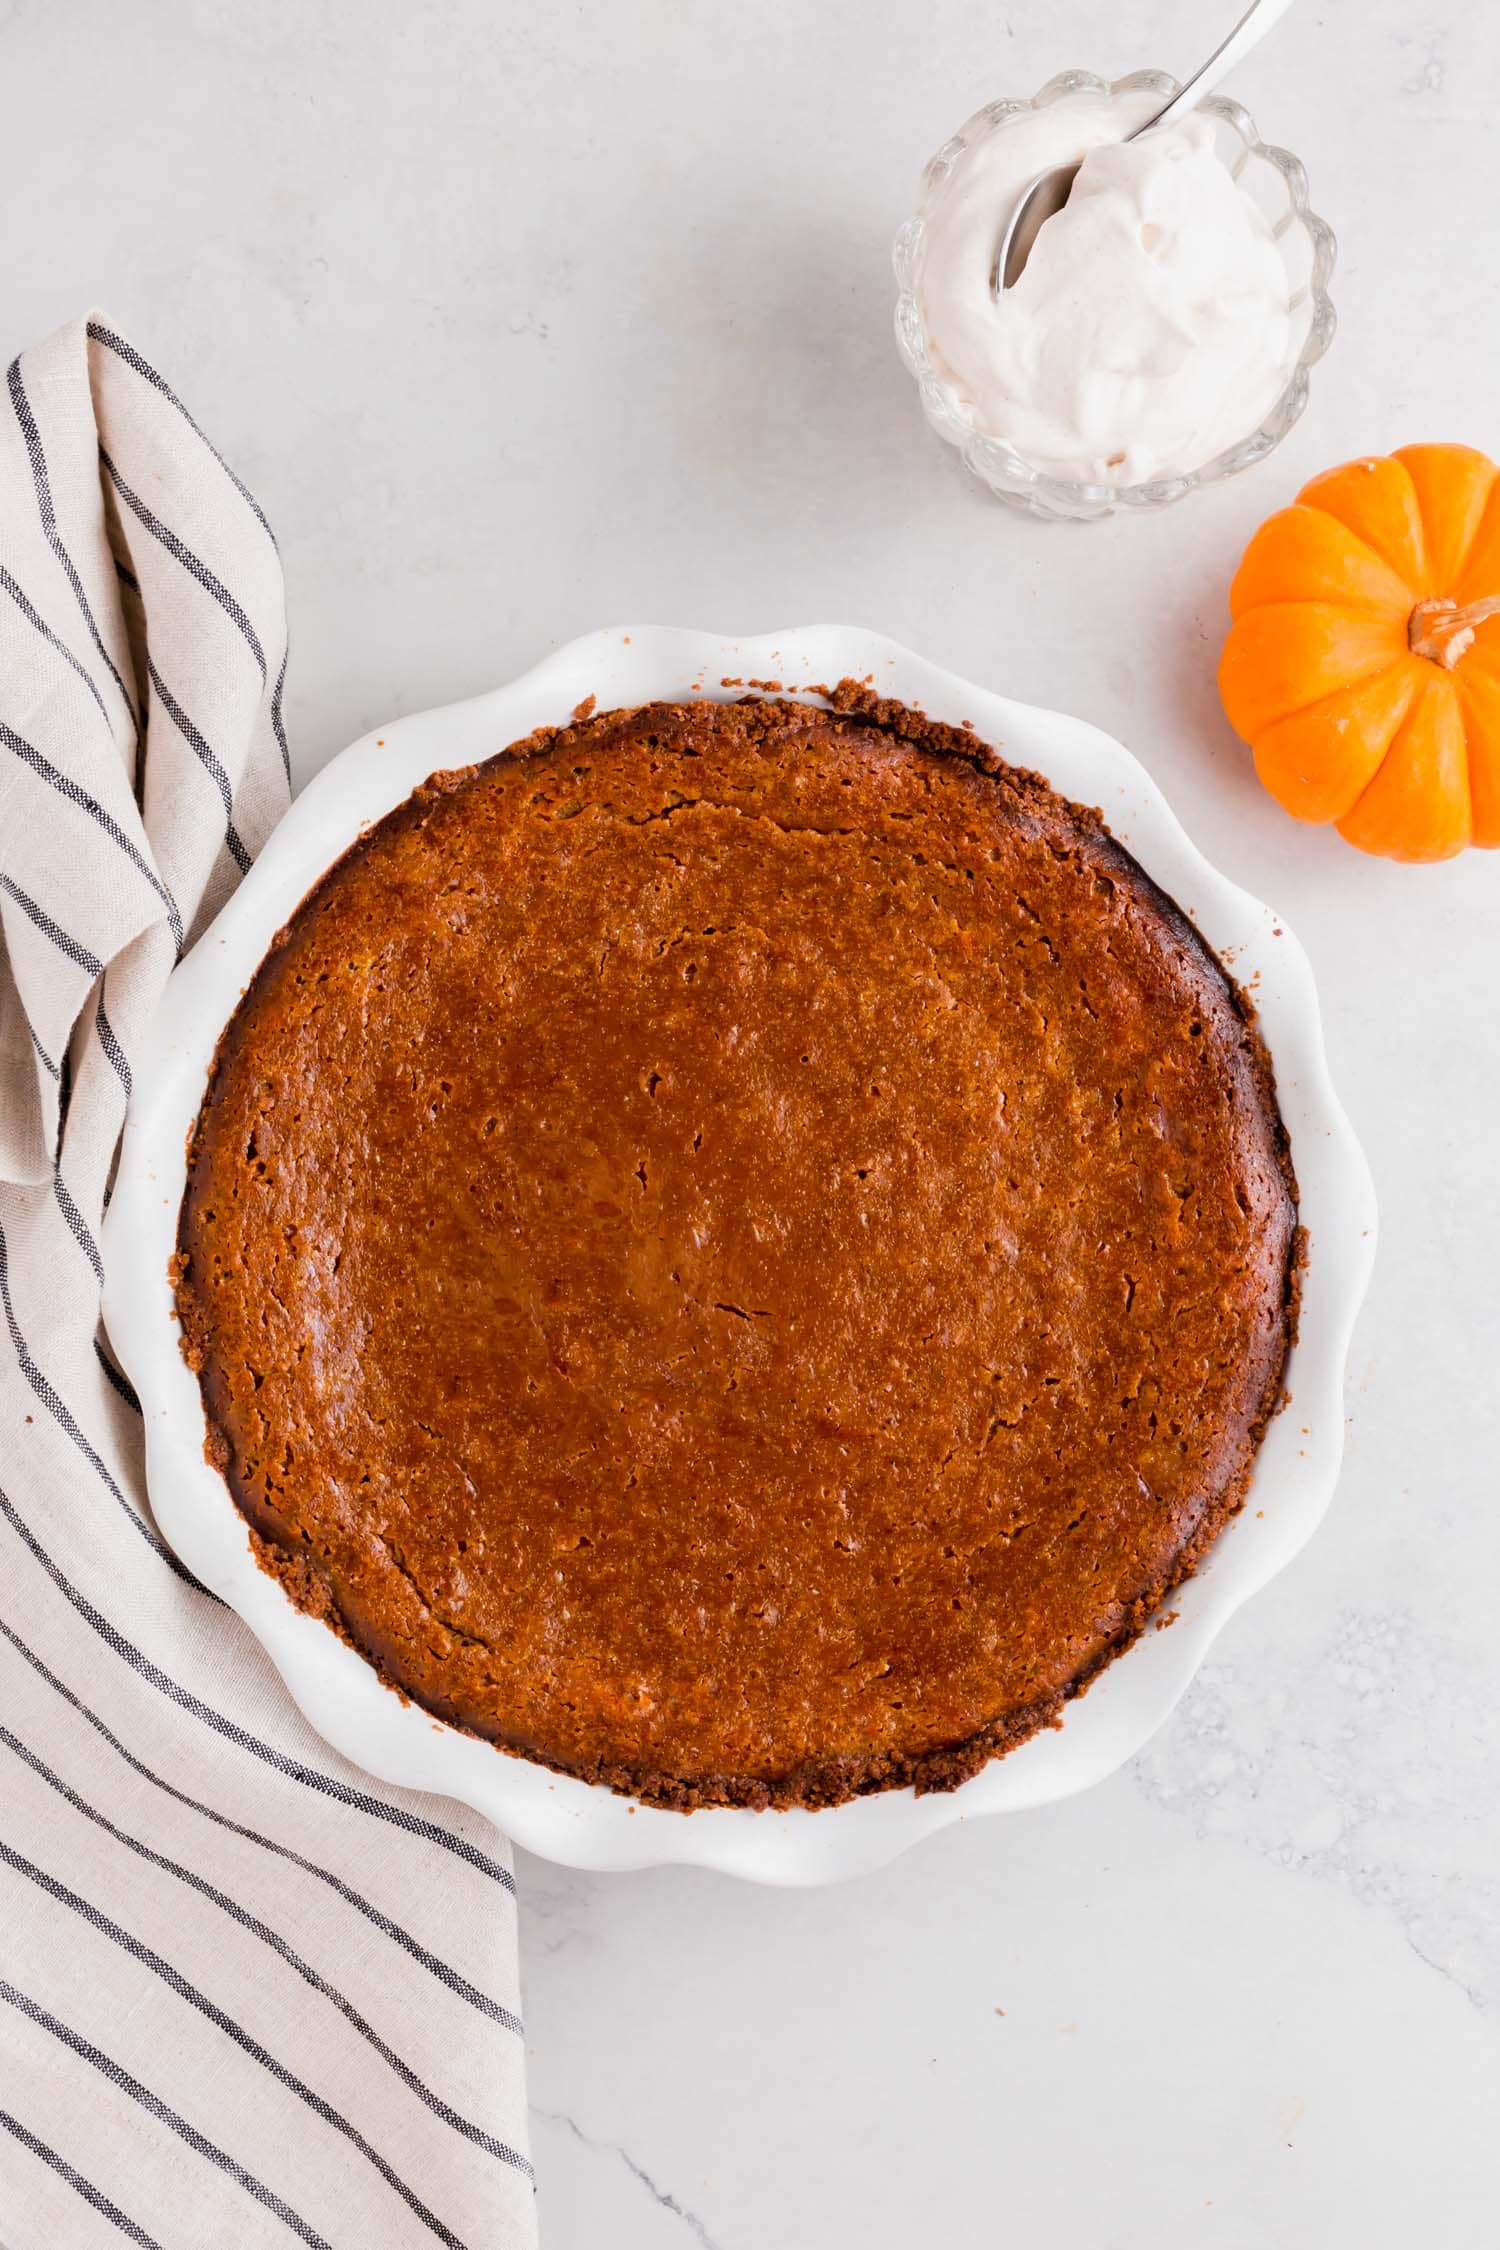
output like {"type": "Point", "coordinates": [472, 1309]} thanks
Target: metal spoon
{"type": "Point", "coordinates": [1049, 191]}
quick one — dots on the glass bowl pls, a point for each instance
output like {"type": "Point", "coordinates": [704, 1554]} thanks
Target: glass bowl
{"type": "Point", "coordinates": [1278, 184]}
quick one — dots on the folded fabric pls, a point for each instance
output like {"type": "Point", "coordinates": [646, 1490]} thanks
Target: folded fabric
{"type": "Point", "coordinates": [245, 1991]}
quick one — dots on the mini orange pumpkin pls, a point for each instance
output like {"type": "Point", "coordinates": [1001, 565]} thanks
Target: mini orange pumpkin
{"type": "Point", "coordinates": [1363, 665]}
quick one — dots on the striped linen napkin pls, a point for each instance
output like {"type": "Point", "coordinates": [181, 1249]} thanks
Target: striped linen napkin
{"type": "Point", "coordinates": [245, 1992]}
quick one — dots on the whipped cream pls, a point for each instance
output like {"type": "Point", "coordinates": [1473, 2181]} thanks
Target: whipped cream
{"type": "Point", "coordinates": [1152, 325]}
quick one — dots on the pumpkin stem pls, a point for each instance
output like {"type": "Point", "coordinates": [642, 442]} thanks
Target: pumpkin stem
{"type": "Point", "coordinates": [1442, 632]}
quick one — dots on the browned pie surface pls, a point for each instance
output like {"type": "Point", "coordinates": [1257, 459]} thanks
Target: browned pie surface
{"type": "Point", "coordinates": [738, 1252]}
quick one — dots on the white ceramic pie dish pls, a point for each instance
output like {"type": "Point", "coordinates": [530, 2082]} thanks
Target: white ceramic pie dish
{"type": "Point", "coordinates": [569, 1820]}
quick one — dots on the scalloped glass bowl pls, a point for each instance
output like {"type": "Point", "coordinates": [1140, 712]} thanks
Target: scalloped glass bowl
{"type": "Point", "coordinates": [1278, 183]}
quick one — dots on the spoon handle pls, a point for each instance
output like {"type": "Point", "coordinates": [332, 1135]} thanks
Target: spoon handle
{"type": "Point", "coordinates": [1247, 33]}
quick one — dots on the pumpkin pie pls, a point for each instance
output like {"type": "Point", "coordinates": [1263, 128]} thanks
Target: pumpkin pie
{"type": "Point", "coordinates": [739, 1251]}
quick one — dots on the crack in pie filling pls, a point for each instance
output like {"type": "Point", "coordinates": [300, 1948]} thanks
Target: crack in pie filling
{"type": "Point", "coordinates": [739, 1250]}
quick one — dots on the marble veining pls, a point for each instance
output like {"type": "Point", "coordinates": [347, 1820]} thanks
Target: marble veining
{"type": "Point", "coordinates": [1330, 1766]}
{"type": "Point", "coordinates": [692, 2224]}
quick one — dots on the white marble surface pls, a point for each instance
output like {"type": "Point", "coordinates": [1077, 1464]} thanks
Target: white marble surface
{"type": "Point", "coordinates": [527, 319]}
